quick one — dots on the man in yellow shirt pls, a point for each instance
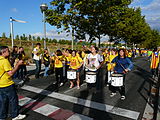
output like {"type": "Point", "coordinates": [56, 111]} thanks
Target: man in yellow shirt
{"type": "Point", "coordinates": [8, 95]}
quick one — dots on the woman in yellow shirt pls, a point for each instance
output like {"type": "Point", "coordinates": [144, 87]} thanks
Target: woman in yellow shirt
{"type": "Point", "coordinates": [75, 64]}
{"type": "Point", "coordinates": [110, 65]}
{"type": "Point", "coordinates": [58, 65]}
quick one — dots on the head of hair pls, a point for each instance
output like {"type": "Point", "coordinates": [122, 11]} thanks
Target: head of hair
{"type": "Point", "coordinates": [59, 52]}
{"type": "Point", "coordinates": [123, 51]}
{"type": "Point", "coordinates": [3, 49]}
{"type": "Point", "coordinates": [96, 48]}
{"type": "Point", "coordinates": [74, 51]}
{"type": "Point", "coordinates": [38, 44]}
{"type": "Point", "coordinates": [70, 51]}
{"type": "Point", "coordinates": [14, 48]}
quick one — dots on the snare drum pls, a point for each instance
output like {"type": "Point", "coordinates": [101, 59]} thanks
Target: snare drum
{"type": "Point", "coordinates": [117, 80]}
{"type": "Point", "coordinates": [71, 74]}
{"type": "Point", "coordinates": [91, 77]}
{"type": "Point", "coordinates": [109, 76]}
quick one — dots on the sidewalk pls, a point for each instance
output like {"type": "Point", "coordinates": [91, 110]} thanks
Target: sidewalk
{"type": "Point", "coordinates": [152, 110]}
{"type": "Point", "coordinates": [158, 112]}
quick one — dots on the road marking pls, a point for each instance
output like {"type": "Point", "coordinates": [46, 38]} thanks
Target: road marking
{"type": "Point", "coordinates": [72, 89]}
{"type": "Point", "coordinates": [78, 117]}
{"type": "Point", "coordinates": [86, 103]}
{"type": "Point", "coordinates": [49, 110]}
{"type": "Point", "coordinates": [148, 112]}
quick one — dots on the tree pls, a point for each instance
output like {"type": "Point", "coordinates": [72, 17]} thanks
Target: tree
{"type": "Point", "coordinates": [38, 38]}
{"type": "Point", "coordinates": [17, 37]}
{"type": "Point", "coordinates": [33, 38]}
{"type": "Point", "coordinates": [91, 17]}
{"type": "Point", "coordinates": [3, 35]}
{"type": "Point", "coordinates": [97, 18]}
{"type": "Point", "coordinates": [30, 37]}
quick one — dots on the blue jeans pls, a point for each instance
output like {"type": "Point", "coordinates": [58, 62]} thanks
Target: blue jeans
{"type": "Point", "coordinates": [38, 68]}
{"type": "Point", "coordinates": [46, 71]}
{"type": "Point", "coordinates": [8, 98]}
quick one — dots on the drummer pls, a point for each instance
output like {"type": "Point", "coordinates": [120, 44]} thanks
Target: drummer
{"type": "Point", "coordinates": [123, 66]}
{"type": "Point", "coordinates": [109, 57]}
{"type": "Point", "coordinates": [94, 61]}
{"type": "Point", "coordinates": [75, 64]}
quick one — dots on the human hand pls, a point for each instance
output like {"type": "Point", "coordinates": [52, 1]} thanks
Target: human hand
{"type": "Point", "coordinates": [20, 62]}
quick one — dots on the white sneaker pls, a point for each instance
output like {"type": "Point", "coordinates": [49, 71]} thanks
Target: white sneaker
{"type": "Point", "coordinates": [61, 84]}
{"type": "Point", "coordinates": [112, 94]}
{"type": "Point", "coordinates": [19, 117]}
{"type": "Point", "coordinates": [123, 97]}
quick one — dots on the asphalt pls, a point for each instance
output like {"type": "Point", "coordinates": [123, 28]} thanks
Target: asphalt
{"type": "Point", "coordinates": [138, 84]}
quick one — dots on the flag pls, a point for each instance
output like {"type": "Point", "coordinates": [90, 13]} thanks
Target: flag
{"type": "Point", "coordinates": [11, 19]}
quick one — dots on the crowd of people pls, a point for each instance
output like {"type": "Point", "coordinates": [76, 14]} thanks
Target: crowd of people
{"type": "Point", "coordinates": [68, 66]}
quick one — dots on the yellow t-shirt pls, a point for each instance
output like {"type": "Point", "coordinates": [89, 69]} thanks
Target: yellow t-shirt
{"type": "Point", "coordinates": [111, 65]}
{"type": "Point", "coordinates": [68, 59]}
{"type": "Point", "coordinates": [75, 62]}
{"type": "Point", "coordinates": [129, 54]}
{"type": "Point", "coordinates": [58, 61]}
{"type": "Point", "coordinates": [5, 66]}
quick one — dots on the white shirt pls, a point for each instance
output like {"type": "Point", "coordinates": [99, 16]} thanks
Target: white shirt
{"type": "Point", "coordinates": [36, 57]}
{"type": "Point", "coordinates": [94, 60]}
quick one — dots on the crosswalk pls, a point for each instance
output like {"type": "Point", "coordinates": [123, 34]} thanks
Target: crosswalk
{"type": "Point", "coordinates": [50, 110]}
{"type": "Point", "coordinates": [56, 112]}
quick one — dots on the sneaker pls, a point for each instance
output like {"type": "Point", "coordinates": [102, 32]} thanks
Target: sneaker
{"type": "Point", "coordinates": [19, 117]}
{"type": "Point", "coordinates": [112, 94]}
{"type": "Point", "coordinates": [61, 84]}
{"type": "Point", "coordinates": [123, 97]}
{"type": "Point", "coordinates": [78, 87]}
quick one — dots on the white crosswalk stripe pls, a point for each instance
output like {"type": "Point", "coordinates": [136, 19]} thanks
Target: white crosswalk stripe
{"type": "Point", "coordinates": [87, 103]}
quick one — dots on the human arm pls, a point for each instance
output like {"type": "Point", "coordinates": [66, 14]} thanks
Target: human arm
{"type": "Point", "coordinates": [13, 71]}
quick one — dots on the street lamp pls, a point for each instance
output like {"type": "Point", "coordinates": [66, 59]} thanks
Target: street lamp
{"type": "Point", "coordinates": [43, 8]}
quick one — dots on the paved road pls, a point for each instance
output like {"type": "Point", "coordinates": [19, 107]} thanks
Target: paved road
{"type": "Point", "coordinates": [39, 100]}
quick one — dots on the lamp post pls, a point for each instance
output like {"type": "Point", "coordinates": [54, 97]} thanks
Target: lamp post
{"type": "Point", "coordinates": [43, 8]}
{"type": "Point", "coordinates": [12, 36]}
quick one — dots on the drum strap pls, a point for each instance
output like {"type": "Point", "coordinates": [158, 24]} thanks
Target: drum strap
{"type": "Point", "coordinates": [121, 65]}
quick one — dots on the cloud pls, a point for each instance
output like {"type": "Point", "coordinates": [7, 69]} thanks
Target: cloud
{"type": "Point", "coordinates": [14, 10]}
{"type": "Point", "coordinates": [150, 10]}
{"type": "Point", "coordinates": [153, 6]}
{"type": "Point", "coordinates": [53, 34]}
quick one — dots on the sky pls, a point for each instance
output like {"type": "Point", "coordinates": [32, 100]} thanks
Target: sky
{"type": "Point", "coordinates": [29, 10]}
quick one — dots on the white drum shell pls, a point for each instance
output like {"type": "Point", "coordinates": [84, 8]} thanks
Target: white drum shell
{"type": "Point", "coordinates": [71, 75]}
{"type": "Point", "coordinates": [109, 77]}
{"type": "Point", "coordinates": [91, 77]}
{"type": "Point", "coordinates": [117, 81]}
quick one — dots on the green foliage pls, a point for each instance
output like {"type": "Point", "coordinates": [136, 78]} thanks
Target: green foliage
{"type": "Point", "coordinates": [17, 37]}
{"type": "Point", "coordinates": [3, 35]}
{"type": "Point", "coordinates": [101, 17]}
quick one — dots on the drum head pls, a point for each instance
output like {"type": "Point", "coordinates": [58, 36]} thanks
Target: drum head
{"type": "Point", "coordinates": [91, 73]}
{"type": "Point", "coordinates": [91, 69]}
{"type": "Point", "coordinates": [117, 75]}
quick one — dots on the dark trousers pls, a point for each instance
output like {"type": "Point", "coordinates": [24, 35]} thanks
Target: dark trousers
{"type": "Point", "coordinates": [59, 75]}
{"type": "Point", "coordinates": [154, 72]}
{"type": "Point", "coordinates": [22, 72]}
{"type": "Point", "coordinates": [38, 68]}
{"type": "Point", "coordinates": [8, 98]}
{"type": "Point", "coordinates": [121, 89]}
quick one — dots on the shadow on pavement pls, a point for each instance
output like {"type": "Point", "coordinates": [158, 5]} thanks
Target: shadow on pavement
{"type": "Point", "coordinates": [39, 97]}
